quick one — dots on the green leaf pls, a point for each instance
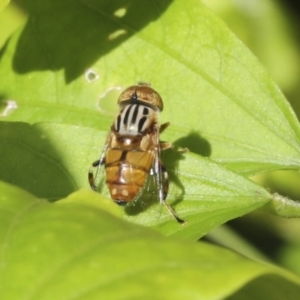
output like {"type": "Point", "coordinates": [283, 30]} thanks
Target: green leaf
{"type": "Point", "coordinates": [219, 99]}
{"type": "Point", "coordinates": [267, 29]}
{"type": "Point", "coordinates": [74, 249]}
{"type": "Point", "coordinates": [32, 162]}
{"type": "Point", "coordinates": [202, 192]}
{"type": "Point", "coordinates": [3, 4]}
{"type": "Point", "coordinates": [11, 18]}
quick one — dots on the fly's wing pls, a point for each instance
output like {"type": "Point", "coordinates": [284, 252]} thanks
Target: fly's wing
{"type": "Point", "coordinates": [156, 185]}
{"type": "Point", "coordinates": [96, 179]}
{"type": "Point", "coordinates": [162, 180]}
{"type": "Point", "coordinates": [157, 168]}
{"type": "Point", "coordinates": [148, 192]}
{"type": "Point", "coordinates": [160, 172]}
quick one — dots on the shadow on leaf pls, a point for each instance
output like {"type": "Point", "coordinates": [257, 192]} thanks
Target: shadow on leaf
{"type": "Point", "coordinates": [195, 143]}
{"type": "Point", "coordinates": [72, 35]}
{"type": "Point", "coordinates": [30, 162]}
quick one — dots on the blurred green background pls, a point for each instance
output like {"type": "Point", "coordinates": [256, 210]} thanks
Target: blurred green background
{"type": "Point", "coordinates": [270, 28]}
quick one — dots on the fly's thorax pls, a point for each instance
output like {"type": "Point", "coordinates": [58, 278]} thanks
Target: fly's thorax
{"type": "Point", "coordinates": [135, 119]}
{"type": "Point", "coordinates": [133, 142]}
{"type": "Point", "coordinates": [128, 142]}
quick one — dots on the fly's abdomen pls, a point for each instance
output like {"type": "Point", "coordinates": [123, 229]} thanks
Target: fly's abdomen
{"type": "Point", "coordinates": [124, 182]}
{"type": "Point", "coordinates": [126, 173]}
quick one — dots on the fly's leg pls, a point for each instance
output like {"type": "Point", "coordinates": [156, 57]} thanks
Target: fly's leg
{"type": "Point", "coordinates": [164, 188]}
{"type": "Point", "coordinates": [167, 145]}
{"type": "Point", "coordinates": [163, 127]}
{"type": "Point", "coordinates": [98, 163]}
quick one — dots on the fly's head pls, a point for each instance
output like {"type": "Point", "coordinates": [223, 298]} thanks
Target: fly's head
{"type": "Point", "coordinates": [142, 94]}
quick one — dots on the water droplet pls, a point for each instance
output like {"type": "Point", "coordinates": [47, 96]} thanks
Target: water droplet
{"type": "Point", "coordinates": [121, 12]}
{"type": "Point", "coordinates": [10, 105]}
{"type": "Point", "coordinates": [117, 34]}
{"type": "Point", "coordinates": [107, 103]}
{"type": "Point", "coordinates": [91, 75]}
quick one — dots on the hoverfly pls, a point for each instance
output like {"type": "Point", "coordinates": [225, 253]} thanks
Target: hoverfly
{"type": "Point", "coordinates": [132, 148]}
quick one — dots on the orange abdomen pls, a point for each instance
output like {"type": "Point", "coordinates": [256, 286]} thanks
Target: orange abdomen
{"type": "Point", "coordinates": [126, 173]}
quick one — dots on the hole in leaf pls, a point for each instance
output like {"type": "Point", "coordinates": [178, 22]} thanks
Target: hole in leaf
{"type": "Point", "coordinates": [7, 107]}
{"type": "Point", "coordinates": [91, 75]}
{"type": "Point", "coordinates": [121, 12]}
{"type": "Point", "coordinates": [107, 103]}
{"type": "Point", "coordinates": [117, 34]}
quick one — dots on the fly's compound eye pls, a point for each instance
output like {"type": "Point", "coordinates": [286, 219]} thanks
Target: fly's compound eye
{"type": "Point", "coordinates": [141, 93]}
